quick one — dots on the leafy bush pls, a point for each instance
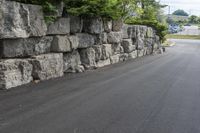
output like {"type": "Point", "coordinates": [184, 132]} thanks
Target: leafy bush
{"type": "Point", "coordinates": [94, 8]}
{"type": "Point", "coordinates": [161, 29]}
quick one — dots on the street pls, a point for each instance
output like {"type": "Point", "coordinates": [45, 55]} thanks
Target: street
{"type": "Point", "coordinates": [155, 94]}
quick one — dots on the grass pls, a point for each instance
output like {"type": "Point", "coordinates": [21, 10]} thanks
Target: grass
{"type": "Point", "coordinates": [173, 36]}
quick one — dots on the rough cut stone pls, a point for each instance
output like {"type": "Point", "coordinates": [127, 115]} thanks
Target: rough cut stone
{"type": "Point", "coordinates": [76, 24]}
{"type": "Point", "coordinates": [114, 58]}
{"type": "Point", "coordinates": [85, 40]}
{"type": "Point", "coordinates": [148, 42]}
{"type": "Point", "coordinates": [114, 37]}
{"type": "Point", "coordinates": [103, 63]}
{"type": "Point", "coordinates": [132, 55]}
{"type": "Point", "coordinates": [156, 43]}
{"type": "Point", "coordinates": [21, 20]}
{"type": "Point", "coordinates": [123, 57]}
{"type": "Point", "coordinates": [59, 27]}
{"type": "Point", "coordinates": [117, 25]}
{"type": "Point", "coordinates": [73, 42]}
{"type": "Point", "coordinates": [47, 66]}
{"type": "Point", "coordinates": [143, 30]}
{"type": "Point", "coordinates": [149, 50]}
{"type": "Point", "coordinates": [25, 47]}
{"type": "Point", "coordinates": [61, 44]}
{"type": "Point", "coordinates": [14, 72]}
{"type": "Point", "coordinates": [106, 51]}
{"type": "Point", "coordinates": [103, 38]}
{"type": "Point", "coordinates": [135, 31]}
{"type": "Point", "coordinates": [107, 25]}
{"type": "Point", "coordinates": [88, 58]}
{"type": "Point", "coordinates": [117, 49]}
{"type": "Point", "coordinates": [128, 46]}
{"type": "Point", "coordinates": [139, 42]}
{"type": "Point", "coordinates": [72, 62]}
{"type": "Point", "coordinates": [141, 52]}
{"type": "Point", "coordinates": [98, 52]}
{"type": "Point", "coordinates": [93, 25]}
{"type": "Point", "coordinates": [150, 32]}
{"type": "Point", "coordinates": [126, 31]}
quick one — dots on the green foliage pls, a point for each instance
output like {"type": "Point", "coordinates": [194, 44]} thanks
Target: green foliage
{"type": "Point", "coordinates": [180, 13]}
{"type": "Point", "coordinates": [161, 29]}
{"type": "Point", "coordinates": [95, 8]}
{"type": "Point", "coordinates": [193, 19]}
{"type": "Point", "coordinates": [149, 14]}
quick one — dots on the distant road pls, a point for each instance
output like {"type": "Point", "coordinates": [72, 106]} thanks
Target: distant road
{"type": "Point", "coordinates": [155, 94]}
{"type": "Point", "coordinates": [190, 30]}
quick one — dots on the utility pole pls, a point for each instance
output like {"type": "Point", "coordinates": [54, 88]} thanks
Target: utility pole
{"type": "Point", "coordinates": [169, 9]}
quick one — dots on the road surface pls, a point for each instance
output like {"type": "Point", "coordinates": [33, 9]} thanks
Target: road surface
{"type": "Point", "coordinates": [155, 94]}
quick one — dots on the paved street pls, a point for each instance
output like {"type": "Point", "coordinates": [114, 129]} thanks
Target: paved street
{"type": "Point", "coordinates": [156, 94]}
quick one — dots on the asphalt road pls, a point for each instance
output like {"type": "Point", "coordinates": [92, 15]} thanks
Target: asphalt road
{"type": "Point", "coordinates": [154, 94]}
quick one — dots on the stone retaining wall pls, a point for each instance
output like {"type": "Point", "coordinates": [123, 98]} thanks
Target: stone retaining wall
{"type": "Point", "coordinates": [31, 50]}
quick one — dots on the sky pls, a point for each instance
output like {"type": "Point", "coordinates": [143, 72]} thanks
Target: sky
{"type": "Point", "coordinates": [192, 7]}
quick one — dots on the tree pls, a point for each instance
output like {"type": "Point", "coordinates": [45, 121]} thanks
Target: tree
{"type": "Point", "coordinates": [180, 13]}
{"type": "Point", "coordinates": [193, 19]}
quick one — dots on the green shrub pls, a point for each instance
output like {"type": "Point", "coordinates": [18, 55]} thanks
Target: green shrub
{"type": "Point", "coordinates": [161, 29]}
{"type": "Point", "coordinates": [94, 8]}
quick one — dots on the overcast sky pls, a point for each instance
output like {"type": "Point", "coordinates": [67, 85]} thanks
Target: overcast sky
{"type": "Point", "coordinates": [190, 6]}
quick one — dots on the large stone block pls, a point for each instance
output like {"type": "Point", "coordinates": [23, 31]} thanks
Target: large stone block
{"type": "Point", "coordinates": [128, 46]}
{"type": "Point", "coordinates": [150, 32]}
{"type": "Point", "coordinates": [74, 42]}
{"type": "Point", "coordinates": [126, 31]}
{"type": "Point", "coordinates": [61, 44]}
{"type": "Point", "coordinates": [10, 48]}
{"type": "Point", "coordinates": [132, 55]}
{"type": "Point", "coordinates": [88, 58]}
{"type": "Point", "coordinates": [106, 51]}
{"type": "Point", "coordinates": [98, 52]}
{"type": "Point", "coordinates": [47, 66]}
{"type": "Point", "coordinates": [136, 31]}
{"type": "Point", "coordinates": [123, 57]}
{"type": "Point", "coordinates": [156, 42]}
{"type": "Point", "coordinates": [141, 53]}
{"type": "Point", "coordinates": [117, 49]}
{"type": "Point", "coordinates": [101, 38]}
{"type": "Point", "coordinates": [72, 62]}
{"type": "Point", "coordinates": [149, 42]}
{"type": "Point", "coordinates": [76, 24]}
{"type": "Point", "coordinates": [93, 25]}
{"type": "Point", "coordinates": [139, 42]}
{"type": "Point", "coordinates": [114, 37]}
{"type": "Point", "coordinates": [117, 25]}
{"type": "Point", "coordinates": [21, 20]}
{"type": "Point", "coordinates": [143, 30]}
{"type": "Point", "coordinates": [14, 72]}
{"type": "Point", "coordinates": [114, 58]}
{"type": "Point", "coordinates": [85, 40]}
{"type": "Point", "coordinates": [103, 63]}
{"type": "Point", "coordinates": [107, 24]}
{"type": "Point", "coordinates": [60, 27]}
